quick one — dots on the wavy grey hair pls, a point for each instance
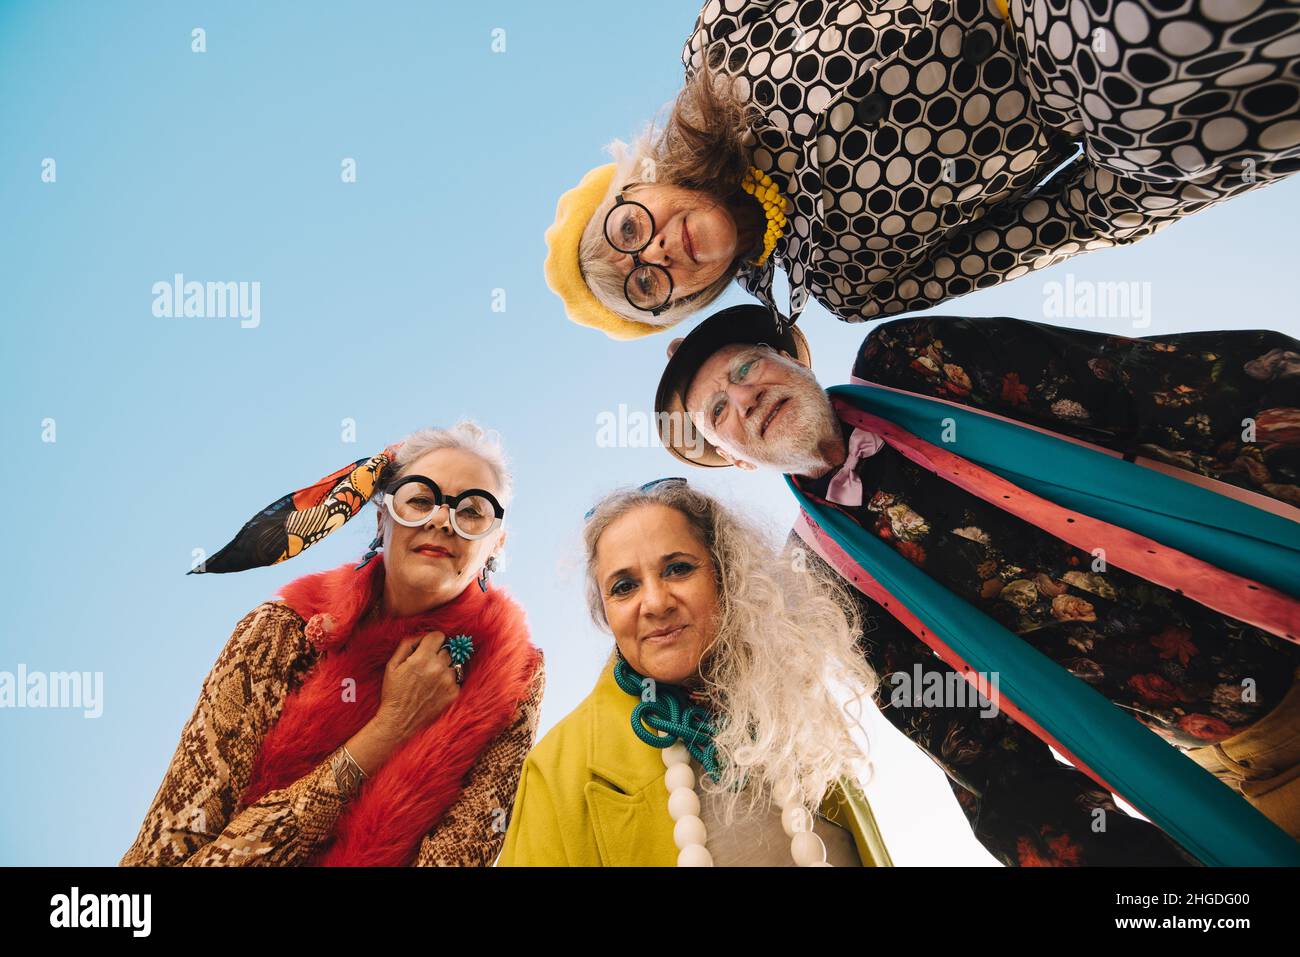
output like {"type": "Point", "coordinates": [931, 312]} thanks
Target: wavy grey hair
{"type": "Point", "coordinates": [466, 435]}
{"type": "Point", "coordinates": [784, 666]}
{"type": "Point", "coordinates": [705, 144]}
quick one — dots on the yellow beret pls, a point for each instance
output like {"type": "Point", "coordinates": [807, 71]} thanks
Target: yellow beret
{"type": "Point", "coordinates": [563, 273]}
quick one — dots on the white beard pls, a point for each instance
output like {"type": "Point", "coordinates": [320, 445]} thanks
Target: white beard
{"type": "Point", "coordinates": [796, 445]}
{"type": "Point", "coordinates": [805, 424]}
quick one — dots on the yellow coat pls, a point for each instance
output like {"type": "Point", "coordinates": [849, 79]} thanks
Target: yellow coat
{"type": "Point", "coordinates": [592, 795]}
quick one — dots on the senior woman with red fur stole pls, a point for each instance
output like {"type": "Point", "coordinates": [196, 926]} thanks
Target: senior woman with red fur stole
{"type": "Point", "coordinates": [377, 713]}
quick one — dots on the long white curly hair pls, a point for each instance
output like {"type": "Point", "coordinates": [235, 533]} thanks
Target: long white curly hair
{"type": "Point", "coordinates": [784, 669]}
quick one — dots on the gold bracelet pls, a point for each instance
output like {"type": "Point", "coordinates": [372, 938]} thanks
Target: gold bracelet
{"type": "Point", "coordinates": [348, 775]}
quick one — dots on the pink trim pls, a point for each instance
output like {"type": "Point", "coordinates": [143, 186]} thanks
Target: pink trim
{"type": "Point", "coordinates": [1257, 499]}
{"type": "Point", "coordinates": [1233, 595]}
{"type": "Point", "coordinates": [821, 543]}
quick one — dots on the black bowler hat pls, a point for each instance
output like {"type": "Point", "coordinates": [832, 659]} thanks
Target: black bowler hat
{"type": "Point", "coordinates": [747, 324]}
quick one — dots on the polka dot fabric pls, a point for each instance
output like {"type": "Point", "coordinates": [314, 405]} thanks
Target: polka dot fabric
{"type": "Point", "coordinates": [1167, 92]}
{"type": "Point", "coordinates": [914, 136]}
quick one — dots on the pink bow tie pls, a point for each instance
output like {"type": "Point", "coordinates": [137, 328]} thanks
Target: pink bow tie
{"type": "Point", "coordinates": [846, 487]}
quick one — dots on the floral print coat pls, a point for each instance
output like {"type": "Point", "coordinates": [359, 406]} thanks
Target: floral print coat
{"type": "Point", "coordinates": [1192, 675]}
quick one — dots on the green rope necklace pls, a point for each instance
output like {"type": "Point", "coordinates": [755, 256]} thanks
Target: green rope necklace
{"type": "Point", "coordinates": [668, 715]}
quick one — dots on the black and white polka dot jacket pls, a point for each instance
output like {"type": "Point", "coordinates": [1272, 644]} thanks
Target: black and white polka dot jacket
{"type": "Point", "coordinates": [909, 135]}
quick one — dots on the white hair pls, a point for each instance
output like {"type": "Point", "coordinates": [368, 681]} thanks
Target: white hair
{"type": "Point", "coordinates": [467, 436]}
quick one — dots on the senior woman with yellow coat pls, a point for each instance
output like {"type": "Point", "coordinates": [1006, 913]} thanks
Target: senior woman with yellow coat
{"type": "Point", "coordinates": [721, 729]}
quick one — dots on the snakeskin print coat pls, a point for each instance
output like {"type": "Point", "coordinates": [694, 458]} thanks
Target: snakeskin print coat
{"type": "Point", "coordinates": [928, 145]}
{"type": "Point", "coordinates": [193, 822]}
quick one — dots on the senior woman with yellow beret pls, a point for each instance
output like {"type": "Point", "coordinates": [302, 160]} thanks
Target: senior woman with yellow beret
{"type": "Point", "coordinates": [892, 156]}
{"type": "Point", "coordinates": [713, 735]}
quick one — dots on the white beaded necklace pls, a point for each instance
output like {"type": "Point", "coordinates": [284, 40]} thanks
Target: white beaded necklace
{"type": "Point", "coordinates": [689, 833]}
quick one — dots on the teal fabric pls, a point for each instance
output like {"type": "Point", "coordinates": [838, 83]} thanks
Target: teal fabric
{"type": "Point", "coordinates": [1224, 532]}
{"type": "Point", "coordinates": [1207, 818]}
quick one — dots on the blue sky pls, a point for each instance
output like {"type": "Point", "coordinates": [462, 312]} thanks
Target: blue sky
{"type": "Point", "coordinates": [375, 308]}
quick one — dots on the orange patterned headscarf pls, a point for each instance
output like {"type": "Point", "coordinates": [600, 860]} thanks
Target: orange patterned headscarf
{"type": "Point", "coordinates": [294, 522]}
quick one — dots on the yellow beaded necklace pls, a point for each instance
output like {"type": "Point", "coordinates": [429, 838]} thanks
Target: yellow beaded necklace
{"type": "Point", "coordinates": [775, 206]}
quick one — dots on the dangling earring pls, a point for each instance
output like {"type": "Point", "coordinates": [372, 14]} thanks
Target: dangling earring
{"type": "Point", "coordinates": [490, 566]}
{"type": "Point", "coordinates": [374, 550]}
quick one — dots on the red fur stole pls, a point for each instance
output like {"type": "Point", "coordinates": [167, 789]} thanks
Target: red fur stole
{"type": "Point", "coordinates": [407, 797]}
